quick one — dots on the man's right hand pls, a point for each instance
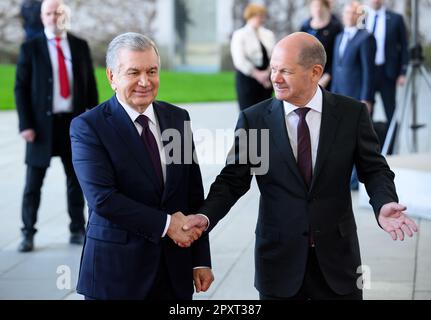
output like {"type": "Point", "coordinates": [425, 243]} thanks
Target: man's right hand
{"type": "Point", "coordinates": [28, 135]}
{"type": "Point", "coordinates": [183, 238]}
{"type": "Point", "coordinates": [196, 221]}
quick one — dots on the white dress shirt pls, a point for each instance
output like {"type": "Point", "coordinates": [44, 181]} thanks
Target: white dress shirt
{"type": "Point", "coordinates": [313, 118]}
{"type": "Point", "coordinates": [246, 50]}
{"type": "Point", "coordinates": [155, 130]}
{"type": "Point", "coordinates": [380, 32]}
{"type": "Point", "coordinates": [60, 104]}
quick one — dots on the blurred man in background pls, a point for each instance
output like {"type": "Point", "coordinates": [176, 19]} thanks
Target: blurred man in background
{"type": "Point", "coordinates": [54, 83]}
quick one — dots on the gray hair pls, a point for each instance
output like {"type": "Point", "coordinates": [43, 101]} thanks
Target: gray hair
{"type": "Point", "coordinates": [312, 54]}
{"type": "Point", "coordinates": [130, 40]}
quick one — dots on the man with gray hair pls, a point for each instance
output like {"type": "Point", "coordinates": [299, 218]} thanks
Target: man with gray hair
{"type": "Point", "coordinates": [134, 195]}
{"type": "Point", "coordinates": [306, 241]}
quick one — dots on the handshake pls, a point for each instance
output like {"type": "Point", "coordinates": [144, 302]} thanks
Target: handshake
{"type": "Point", "coordinates": [184, 230]}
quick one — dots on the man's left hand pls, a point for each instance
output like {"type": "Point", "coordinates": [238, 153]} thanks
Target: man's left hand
{"type": "Point", "coordinates": [401, 80]}
{"type": "Point", "coordinates": [202, 277]}
{"type": "Point", "coordinates": [395, 222]}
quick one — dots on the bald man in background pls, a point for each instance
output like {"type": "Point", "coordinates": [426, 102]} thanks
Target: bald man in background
{"type": "Point", "coordinates": [54, 83]}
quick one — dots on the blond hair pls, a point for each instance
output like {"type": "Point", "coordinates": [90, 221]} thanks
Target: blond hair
{"type": "Point", "coordinates": [254, 10]}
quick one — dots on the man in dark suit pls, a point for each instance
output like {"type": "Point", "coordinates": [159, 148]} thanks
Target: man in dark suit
{"type": "Point", "coordinates": [135, 187]}
{"type": "Point", "coordinates": [306, 241]}
{"type": "Point", "coordinates": [353, 68]}
{"type": "Point", "coordinates": [54, 83]}
{"type": "Point", "coordinates": [392, 56]}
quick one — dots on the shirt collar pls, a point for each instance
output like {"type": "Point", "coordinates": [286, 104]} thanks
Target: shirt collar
{"type": "Point", "coordinates": [315, 103]}
{"type": "Point", "coordinates": [133, 114]}
{"type": "Point", "coordinates": [50, 35]}
{"type": "Point", "coordinates": [380, 12]}
{"type": "Point", "coordinates": [351, 31]}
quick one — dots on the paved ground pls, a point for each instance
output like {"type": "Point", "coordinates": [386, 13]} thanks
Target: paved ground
{"type": "Point", "coordinates": [398, 270]}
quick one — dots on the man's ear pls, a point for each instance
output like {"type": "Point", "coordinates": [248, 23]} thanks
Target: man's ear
{"type": "Point", "coordinates": [110, 76]}
{"type": "Point", "coordinates": [317, 72]}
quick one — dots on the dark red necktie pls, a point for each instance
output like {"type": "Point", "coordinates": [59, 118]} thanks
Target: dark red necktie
{"type": "Point", "coordinates": [304, 147]}
{"type": "Point", "coordinates": [62, 71]}
{"type": "Point", "coordinates": [151, 145]}
{"type": "Point", "coordinates": [304, 161]}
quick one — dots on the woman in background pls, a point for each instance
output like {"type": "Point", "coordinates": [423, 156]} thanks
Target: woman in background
{"type": "Point", "coordinates": [251, 48]}
{"type": "Point", "coordinates": [325, 27]}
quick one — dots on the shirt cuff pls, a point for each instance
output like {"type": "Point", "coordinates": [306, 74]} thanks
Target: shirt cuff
{"type": "Point", "coordinates": [208, 220]}
{"type": "Point", "coordinates": [201, 267]}
{"type": "Point", "coordinates": [168, 222]}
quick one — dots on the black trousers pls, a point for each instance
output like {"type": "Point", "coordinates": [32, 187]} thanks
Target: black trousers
{"type": "Point", "coordinates": [162, 288]}
{"type": "Point", "coordinates": [315, 286]}
{"type": "Point", "coordinates": [36, 175]}
{"type": "Point", "coordinates": [387, 89]}
{"type": "Point", "coordinates": [249, 91]}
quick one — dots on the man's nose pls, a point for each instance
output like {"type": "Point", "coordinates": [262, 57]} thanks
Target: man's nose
{"type": "Point", "coordinates": [275, 76]}
{"type": "Point", "coordinates": [143, 80]}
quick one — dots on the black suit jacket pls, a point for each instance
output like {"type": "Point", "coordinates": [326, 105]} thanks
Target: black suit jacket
{"type": "Point", "coordinates": [288, 210]}
{"type": "Point", "coordinates": [34, 92]}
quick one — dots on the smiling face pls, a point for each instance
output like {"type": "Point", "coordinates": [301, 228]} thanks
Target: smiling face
{"type": "Point", "coordinates": [136, 77]}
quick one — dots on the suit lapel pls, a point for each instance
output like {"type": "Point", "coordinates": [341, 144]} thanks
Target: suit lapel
{"type": "Point", "coordinates": [43, 43]}
{"type": "Point", "coordinates": [275, 120]}
{"type": "Point", "coordinates": [388, 27]}
{"type": "Point", "coordinates": [337, 49]}
{"type": "Point", "coordinates": [166, 121]}
{"type": "Point", "coordinates": [121, 123]}
{"type": "Point", "coordinates": [328, 130]}
{"type": "Point", "coordinates": [350, 44]}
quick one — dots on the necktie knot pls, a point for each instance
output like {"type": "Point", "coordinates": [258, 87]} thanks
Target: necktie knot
{"type": "Point", "coordinates": [302, 112]}
{"type": "Point", "coordinates": [142, 120]}
{"type": "Point", "coordinates": [57, 41]}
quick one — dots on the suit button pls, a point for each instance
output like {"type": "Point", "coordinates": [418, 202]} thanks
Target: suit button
{"type": "Point", "coordinates": [49, 97]}
{"type": "Point", "coordinates": [48, 113]}
{"type": "Point", "coordinates": [49, 79]}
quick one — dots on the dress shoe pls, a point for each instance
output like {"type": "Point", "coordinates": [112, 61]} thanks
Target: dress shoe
{"type": "Point", "coordinates": [27, 244]}
{"type": "Point", "coordinates": [77, 237]}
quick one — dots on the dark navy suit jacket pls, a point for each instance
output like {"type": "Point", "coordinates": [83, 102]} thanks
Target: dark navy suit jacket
{"type": "Point", "coordinates": [396, 47]}
{"type": "Point", "coordinates": [127, 207]}
{"type": "Point", "coordinates": [353, 73]}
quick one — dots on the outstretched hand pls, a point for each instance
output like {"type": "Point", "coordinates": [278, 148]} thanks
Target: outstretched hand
{"type": "Point", "coordinates": [395, 222]}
